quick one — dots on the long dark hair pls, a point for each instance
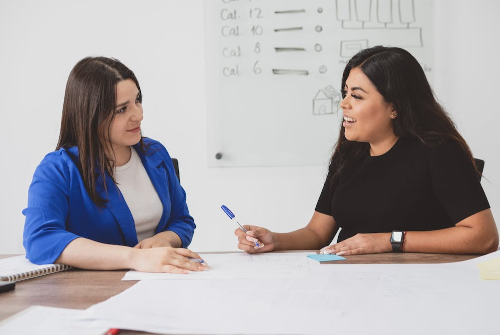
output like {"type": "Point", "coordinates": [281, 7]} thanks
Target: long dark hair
{"type": "Point", "coordinates": [88, 111]}
{"type": "Point", "coordinates": [400, 79]}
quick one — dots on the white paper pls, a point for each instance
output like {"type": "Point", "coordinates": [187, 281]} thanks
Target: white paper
{"type": "Point", "coordinates": [240, 265]}
{"type": "Point", "coordinates": [42, 320]}
{"type": "Point", "coordinates": [340, 298]}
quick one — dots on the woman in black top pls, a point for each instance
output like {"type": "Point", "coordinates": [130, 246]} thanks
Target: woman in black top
{"type": "Point", "coordinates": [401, 178]}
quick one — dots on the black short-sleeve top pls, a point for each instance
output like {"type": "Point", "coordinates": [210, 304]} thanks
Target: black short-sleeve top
{"type": "Point", "coordinates": [412, 187]}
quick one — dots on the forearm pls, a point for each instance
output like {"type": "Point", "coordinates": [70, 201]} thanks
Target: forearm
{"type": "Point", "coordinates": [454, 240]}
{"type": "Point", "coordinates": [476, 234]}
{"type": "Point", "coordinates": [87, 254]}
{"type": "Point", "coordinates": [301, 239]}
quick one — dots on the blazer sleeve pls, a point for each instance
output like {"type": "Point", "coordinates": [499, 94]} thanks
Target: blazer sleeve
{"type": "Point", "coordinates": [180, 221]}
{"type": "Point", "coordinates": [45, 235]}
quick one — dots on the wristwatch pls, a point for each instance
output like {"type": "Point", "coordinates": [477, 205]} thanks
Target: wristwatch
{"type": "Point", "coordinates": [397, 240]}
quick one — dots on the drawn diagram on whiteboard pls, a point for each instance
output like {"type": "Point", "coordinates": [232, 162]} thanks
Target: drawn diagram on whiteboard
{"type": "Point", "coordinates": [350, 48]}
{"type": "Point", "coordinates": [326, 101]}
{"type": "Point", "coordinates": [378, 22]}
{"type": "Point", "coordinates": [274, 69]}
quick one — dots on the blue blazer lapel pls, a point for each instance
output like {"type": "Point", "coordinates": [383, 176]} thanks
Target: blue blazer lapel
{"type": "Point", "coordinates": [116, 204]}
{"type": "Point", "coordinates": [118, 207]}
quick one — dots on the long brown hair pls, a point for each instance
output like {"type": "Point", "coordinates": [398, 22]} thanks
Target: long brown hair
{"type": "Point", "coordinates": [400, 79]}
{"type": "Point", "coordinates": [88, 111]}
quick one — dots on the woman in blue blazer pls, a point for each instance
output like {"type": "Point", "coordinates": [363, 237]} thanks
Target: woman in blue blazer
{"type": "Point", "coordinates": [107, 198]}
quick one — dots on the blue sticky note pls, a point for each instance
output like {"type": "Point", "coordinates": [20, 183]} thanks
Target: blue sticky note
{"type": "Point", "coordinates": [326, 258]}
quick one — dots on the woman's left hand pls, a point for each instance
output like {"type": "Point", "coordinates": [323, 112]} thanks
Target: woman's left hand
{"type": "Point", "coordinates": [163, 239]}
{"type": "Point", "coordinates": [361, 244]}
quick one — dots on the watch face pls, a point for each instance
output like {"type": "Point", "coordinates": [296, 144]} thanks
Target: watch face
{"type": "Point", "coordinates": [397, 236]}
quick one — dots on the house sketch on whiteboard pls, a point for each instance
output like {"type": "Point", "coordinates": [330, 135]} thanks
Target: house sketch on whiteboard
{"type": "Point", "coordinates": [377, 22]}
{"type": "Point", "coordinates": [326, 101]}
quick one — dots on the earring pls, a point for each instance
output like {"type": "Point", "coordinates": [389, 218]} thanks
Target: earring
{"type": "Point", "coordinates": [393, 115]}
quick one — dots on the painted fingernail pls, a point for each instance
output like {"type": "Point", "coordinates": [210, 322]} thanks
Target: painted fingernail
{"type": "Point", "coordinates": [340, 253]}
{"type": "Point", "coordinates": [197, 260]}
{"type": "Point", "coordinates": [325, 251]}
{"type": "Point", "coordinates": [251, 239]}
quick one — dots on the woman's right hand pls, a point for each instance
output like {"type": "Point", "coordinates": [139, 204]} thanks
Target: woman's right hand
{"type": "Point", "coordinates": [166, 259]}
{"type": "Point", "coordinates": [247, 241]}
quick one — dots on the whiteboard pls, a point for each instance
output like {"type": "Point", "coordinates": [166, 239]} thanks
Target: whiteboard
{"type": "Point", "coordinates": [274, 69]}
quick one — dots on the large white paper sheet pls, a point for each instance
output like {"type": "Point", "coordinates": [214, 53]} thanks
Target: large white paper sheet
{"type": "Point", "coordinates": [240, 265]}
{"type": "Point", "coordinates": [42, 320]}
{"type": "Point", "coordinates": [345, 299]}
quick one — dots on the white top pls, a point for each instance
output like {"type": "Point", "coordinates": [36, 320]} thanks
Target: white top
{"type": "Point", "coordinates": [140, 196]}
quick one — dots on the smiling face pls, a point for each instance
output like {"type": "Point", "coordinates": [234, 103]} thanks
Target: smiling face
{"type": "Point", "coordinates": [125, 128]}
{"type": "Point", "coordinates": [367, 116]}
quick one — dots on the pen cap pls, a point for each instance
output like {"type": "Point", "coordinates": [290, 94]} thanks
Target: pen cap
{"type": "Point", "coordinates": [227, 211]}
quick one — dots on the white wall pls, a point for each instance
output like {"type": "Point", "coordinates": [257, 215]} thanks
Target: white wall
{"type": "Point", "coordinates": [163, 42]}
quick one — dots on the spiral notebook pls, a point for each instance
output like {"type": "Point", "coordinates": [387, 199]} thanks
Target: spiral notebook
{"type": "Point", "coordinates": [19, 268]}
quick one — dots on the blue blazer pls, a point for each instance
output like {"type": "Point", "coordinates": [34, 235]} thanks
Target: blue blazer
{"type": "Point", "coordinates": [61, 210]}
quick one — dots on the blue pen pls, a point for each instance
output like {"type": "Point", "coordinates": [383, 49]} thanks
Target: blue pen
{"type": "Point", "coordinates": [232, 217]}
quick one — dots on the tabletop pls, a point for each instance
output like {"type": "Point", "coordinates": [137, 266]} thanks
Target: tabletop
{"type": "Point", "coordinates": [81, 289]}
